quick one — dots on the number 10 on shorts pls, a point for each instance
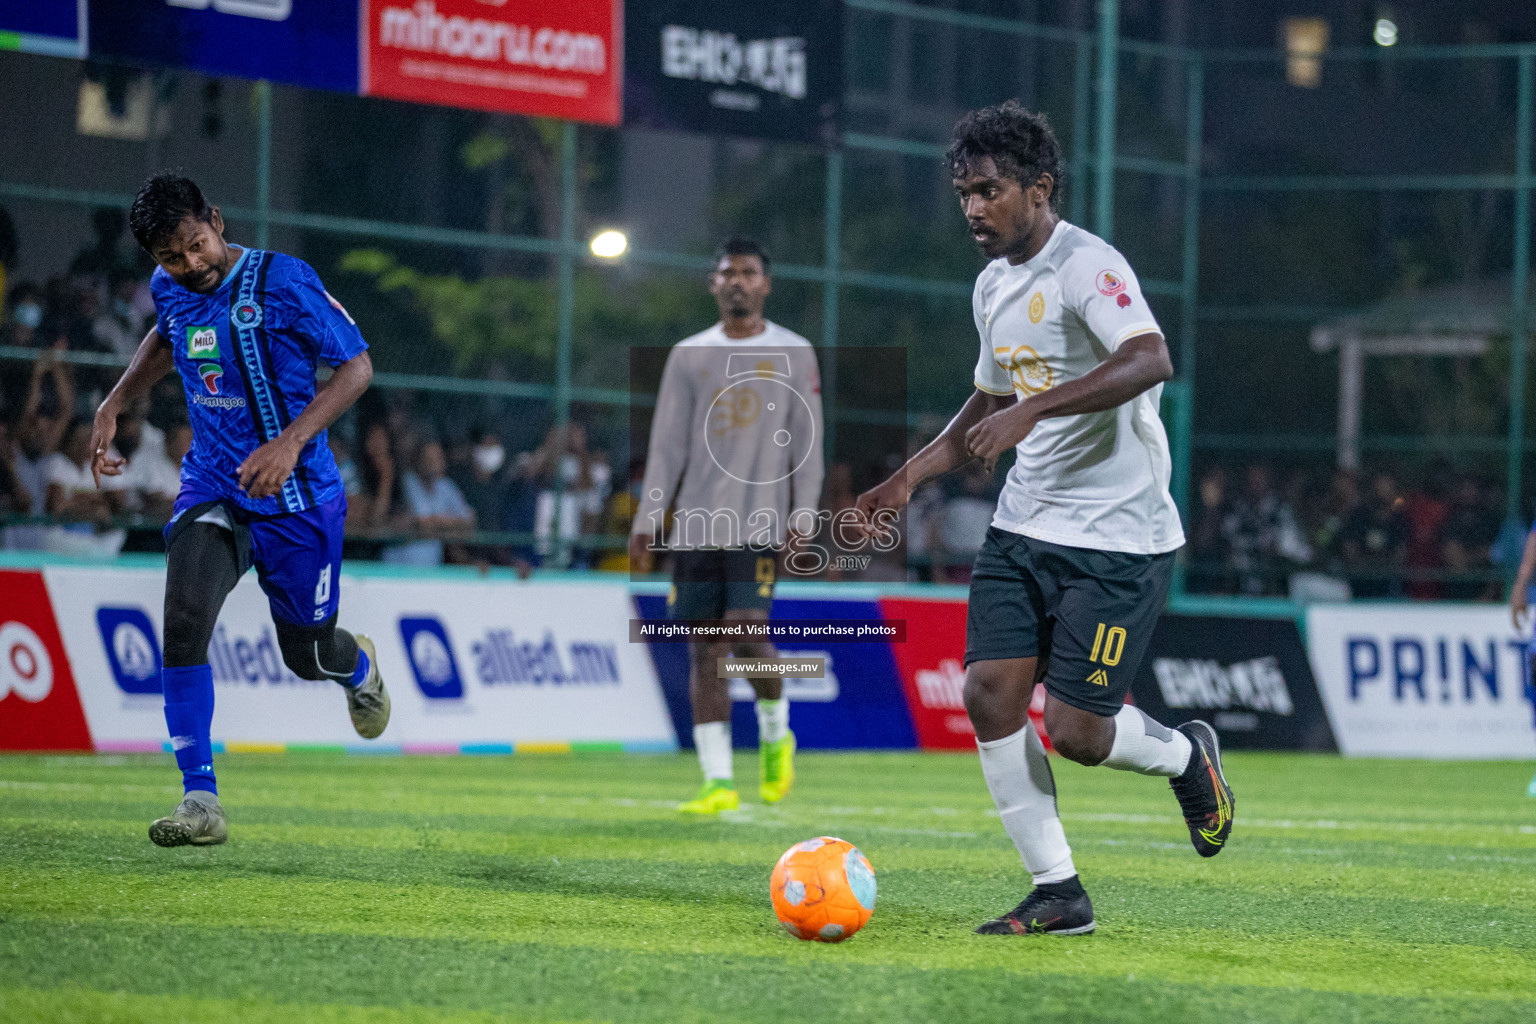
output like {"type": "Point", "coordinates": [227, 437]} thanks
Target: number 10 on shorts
{"type": "Point", "coordinates": [1108, 645]}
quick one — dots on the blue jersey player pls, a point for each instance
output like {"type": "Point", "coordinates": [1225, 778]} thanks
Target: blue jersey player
{"type": "Point", "coordinates": [245, 329]}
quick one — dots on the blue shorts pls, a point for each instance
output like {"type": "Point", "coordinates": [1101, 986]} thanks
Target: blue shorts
{"type": "Point", "coordinates": [297, 556]}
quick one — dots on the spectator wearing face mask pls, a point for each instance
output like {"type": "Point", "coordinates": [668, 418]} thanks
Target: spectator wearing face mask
{"type": "Point", "coordinates": [484, 483]}
{"type": "Point", "coordinates": [24, 315]}
{"type": "Point", "coordinates": [115, 326]}
{"type": "Point", "coordinates": [583, 485]}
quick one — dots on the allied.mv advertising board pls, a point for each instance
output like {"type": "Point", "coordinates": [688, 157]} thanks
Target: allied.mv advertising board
{"type": "Point", "coordinates": [470, 666]}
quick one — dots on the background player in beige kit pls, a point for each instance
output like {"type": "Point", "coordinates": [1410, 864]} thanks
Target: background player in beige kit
{"type": "Point", "coordinates": [736, 443]}
{"type": "Point", "coordinates": [1075, 568]}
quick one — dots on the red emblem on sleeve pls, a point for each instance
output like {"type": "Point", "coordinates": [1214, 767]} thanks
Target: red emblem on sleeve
{"type": "Point", "coordinates": [1123, 301]}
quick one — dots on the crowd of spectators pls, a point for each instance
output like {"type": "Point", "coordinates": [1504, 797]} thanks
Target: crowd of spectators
{"type": "Point", "coordinates": [417, 499]}
{"type": "Point", "coordinates": [424, 490]}
{"type": "Point", "coordinates": [1311, 536]}
{"type": "Point", "coordinates": [417, 494]}
{"type": "Point", "coordinates": [1351, 534]}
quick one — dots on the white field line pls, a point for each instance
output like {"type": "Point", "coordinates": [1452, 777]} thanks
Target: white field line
{"type": "Point", "coordinates": [1304, 824]}
{"type": "Point", "coordinates": [1289, 824]}
{"type": "Point", "coordinates": [77, 786]}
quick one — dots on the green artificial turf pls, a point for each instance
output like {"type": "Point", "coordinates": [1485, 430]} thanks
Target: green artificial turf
{"type": "Point", "coordinates": [565, 888]}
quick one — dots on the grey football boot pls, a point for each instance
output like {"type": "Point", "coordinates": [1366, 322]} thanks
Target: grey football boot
{"type": "Point", "coordinates": [197, 821]}
{"type": "Point", "coordinates": [368, 702]}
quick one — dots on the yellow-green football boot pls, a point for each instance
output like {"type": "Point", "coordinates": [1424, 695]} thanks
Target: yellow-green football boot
{"type": "Point", "coordinates": [715, 796]}
{"type": "Point", "coordinates": [778, 764]}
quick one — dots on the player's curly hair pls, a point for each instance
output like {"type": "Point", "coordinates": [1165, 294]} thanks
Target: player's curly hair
{"type": "Point", "coordinates": [1019, 141]}
{"type": "Point", "coordinates": [162, 204]}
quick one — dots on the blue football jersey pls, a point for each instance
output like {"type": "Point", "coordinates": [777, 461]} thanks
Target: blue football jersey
{"type": "Point", "coordinates": [247, 354]}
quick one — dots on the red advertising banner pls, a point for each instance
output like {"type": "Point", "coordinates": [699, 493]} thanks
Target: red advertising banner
{"type": "Point", "coordinates": [518, 56]}
{"type": "Point", "coordinates": [932, 668]}
{"type": "Point", "coordinates": [39, 705]}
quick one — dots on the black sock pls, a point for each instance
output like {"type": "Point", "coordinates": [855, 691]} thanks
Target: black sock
{"type": "Point", "coordinates": [1196, 762]}
{"type": "Point", "coordinates": [1067, 888]}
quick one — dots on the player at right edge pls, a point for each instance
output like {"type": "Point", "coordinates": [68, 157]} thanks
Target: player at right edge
{"type": "Point", "coordinates": [1076, 565]}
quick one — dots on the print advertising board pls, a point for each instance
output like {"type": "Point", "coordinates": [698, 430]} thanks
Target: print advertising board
{"type": "Point", "coordinates": [1423, 680]}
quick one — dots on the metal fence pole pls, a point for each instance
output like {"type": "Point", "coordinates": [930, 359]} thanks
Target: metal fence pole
{"type": "Point", "coordinates": [832, 235]}
{"type": "Point", "coordinates": [1194, 117]}
{"type": "Point", "coordinates": [1522, 269]}
{"type": "Point", "coordinates": [1109, 67]}
{"type": "Point", "coordinates": [565, 264]}
{"type": "Point", "coordinates": [263, 99]}
{"type": "Point", "coordinates": [1082, 89]}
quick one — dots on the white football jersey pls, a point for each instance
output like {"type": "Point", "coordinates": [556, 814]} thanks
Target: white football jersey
{"type": "Point", "coordinates": [1095, 480]}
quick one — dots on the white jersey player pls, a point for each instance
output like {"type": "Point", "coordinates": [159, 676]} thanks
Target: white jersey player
{"type": "Point", "coordinates": [1075, 568]}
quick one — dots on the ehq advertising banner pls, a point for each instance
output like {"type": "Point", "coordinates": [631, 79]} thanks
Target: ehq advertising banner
{"type": "Point", "coordinates": [519, 56]}
{"type": "Point", "coordinates": [311, 43]}
{"type": "Point", "coordinates": [471, 666]}
{"type": "Point", "coordinates": [772, 70]}
{"type": "Point", "coordinates": [1423, 680]}
{"type": "Point", "coordinates": [1248, 677]}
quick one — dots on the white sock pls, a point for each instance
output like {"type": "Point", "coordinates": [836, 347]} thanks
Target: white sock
{"type": "Point", "coordinates": [1142, 745]}
{"type": "Point", "coordinates": [772, 720]}
{"type": "Point", "coordinates": [1019, 777]}
{"type": "Point", "coordinates": [713, 740]}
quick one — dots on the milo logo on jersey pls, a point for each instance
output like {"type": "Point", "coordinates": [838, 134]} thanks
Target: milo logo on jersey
{"type": "Point", "coordinates": [202, 343]}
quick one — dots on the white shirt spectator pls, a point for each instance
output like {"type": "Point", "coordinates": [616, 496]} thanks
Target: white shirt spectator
{"type": "Point", "coordinates": [57, 469]}
{"type": "Point", "coordinates": [81, 539]}
{"type": "Point", "coordinates": [150, 471]}
{"type": "Point", "coordinates": [441, 499]}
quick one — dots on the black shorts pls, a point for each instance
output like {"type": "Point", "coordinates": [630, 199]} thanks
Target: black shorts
{"type": "Point", "coordinates": [708, 582]}
{"type": "Point", "coordinates": [1089, 614]}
